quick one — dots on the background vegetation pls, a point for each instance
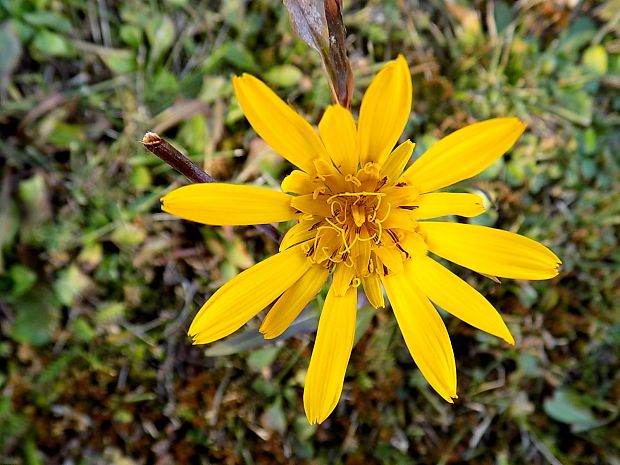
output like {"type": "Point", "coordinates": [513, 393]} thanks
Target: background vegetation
{"type": "Point", "coordinates": [97, 286]}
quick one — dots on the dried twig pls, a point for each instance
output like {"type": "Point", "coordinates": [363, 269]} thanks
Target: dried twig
{"type": "Point", "coordinates": [171, 155]}
{"type": "Point", "coordinates": [168, 153]}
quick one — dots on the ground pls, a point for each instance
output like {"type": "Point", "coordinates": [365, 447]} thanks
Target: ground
{"type": "Point", "coordinates": [98, 287]}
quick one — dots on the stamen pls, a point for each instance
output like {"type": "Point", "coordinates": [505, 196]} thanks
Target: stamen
{"type": "Point", "coordinates": [326, 254]}
{"type": "Point", "coordinates": [380, 233]}
{"type": "Point", "coordinates": [353, 180]}
{"type": "Point", "coordinates": [367, 239]}
{"type": "Point", "coordinates": [337, 228]}
{"type": "Point", "coordinates": [371, 168]}
{"type": "Point", "coordinates": [336, 208]}
{"type": "Point", "coordinates": [371, 218]}
{"type": "Point", "coordinates": [348, 247]}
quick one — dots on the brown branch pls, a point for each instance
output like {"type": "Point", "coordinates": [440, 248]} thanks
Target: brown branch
{"type": "Point", "coordinates": [168, 153]}
{"type": "Point", "coordinates": [171, 155]}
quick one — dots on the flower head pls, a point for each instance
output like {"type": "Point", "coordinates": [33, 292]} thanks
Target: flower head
{"type": "Point", "coordinates": [362, 219]}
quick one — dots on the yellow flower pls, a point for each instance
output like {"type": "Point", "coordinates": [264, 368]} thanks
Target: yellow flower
{"type": "Point", "coordinates": [360, 220]}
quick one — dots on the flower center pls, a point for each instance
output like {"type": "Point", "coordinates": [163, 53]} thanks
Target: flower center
{"type": "Point", "coordinates": [354, 212]}
{"type": "Point", "coordinates": [357, 222]}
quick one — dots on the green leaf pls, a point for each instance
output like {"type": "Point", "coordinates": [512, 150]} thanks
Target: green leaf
{"type": "Point", "coordinates": [503, 15]}
{"type": "Point", "coordinates": [48, 19]}
{"type": "Point", "coordinates": [589, 141]}
{"type": "Point", "coordinates": [110, 312]}
{"type": "Point", "coordinates": [47, 43]}
{"type": "Point", "coordinates": [63, 134]}
{"type": "Point", "coordinates": [118, 60]}
{"type": "Point", "coordinates": [238, 55]}
{"type": "Point", "coordinates": [595, 60]}
{"type": "Point", "coordinates": [70, 284]}
{"type": "Point", "coordinates": [566, 407]}
{"type": "Point", "coordinates": [160, 33]}
{"type": "Point", "coordinates": [162, 89]}
{"type": "Point", "coordinates": [194, 134]}
{"type": "Point", "coordinates": [128, 235]}
{"type": "Point", "coordinates": [260, 359]}
{"type": "Point", "coordinates": [581, 31]}
{"type": "Point", "coordinates": [141, 178]}
{"type": "Point", "coordinates": [83, 330]}
{"type": "Point", "coordinates": [9, 225]}
{"type": "Point", "coordinates": [274, 417]}
{"type": "Point", "coordinates": [575, 106]}
{"type": "Point", "coordinates": [364, 317]}
{"type": "Point", "coordinates": [31, 452]}
{"type": "Point", "coordinates": [36, 315]}
{"type": "Point", "coordinates": [10, 51]}
{"type": "Point", "coordinates": [283, 76]}
{"type": "Point", "coordinates": [131, 35]}
{"type": "Point", "coordinates": [23, 279]}
{"type": "Point", "coordinates": [33, 193]}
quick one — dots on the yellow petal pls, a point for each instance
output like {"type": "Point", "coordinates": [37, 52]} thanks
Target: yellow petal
{"type": "Point", "coordinates": [456, 297]}
{"type": "Point", "coordinates": [490, 251]}
{"type": "Point", "coordinates": [413, 244]}
{"type": "Point", "coordinates": [372, 289]}
{"type": "Point", "coordinates": [343, 276]}
{"type": "Point", "coordinates": [246, 294]}
{"type": "Point", "coordinates": [228, 204]}
{"type": "Point", "coordinates": [438, 204]}
{"type": "Point", "coordinates": [360, 253]}
{"type": "Point", "coordinates": [397, 160]}
{"type": "Point", "coordinates": [463, 154]}
{"type": "Point", "coordinates": [301, 232]}
{"type": "Point", "coordinates": [278, 124]}
{"type": "Point", "coordinates": [391, 257]}
{"type": "Point", "coordinates": [400, 196]}
{"type": "Point", "coordinates": [400, 219]}
{"type": "Point", "coordinates": [298, 182]}
{"type": "Point", "coordinates": [384, 112]}
{"type": "Point", "coordinates": [312, 206]}
{"type": "Point", "coordinates": [339, 134]}
{"type": "Point", "coordinates": [293, 301]}
{"type": "Point", "coordinates": [330, 356]}
{"type": "Point", "coordinates": [424, 332]}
